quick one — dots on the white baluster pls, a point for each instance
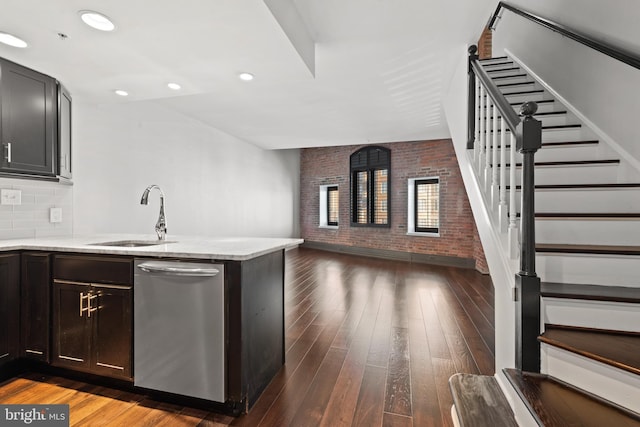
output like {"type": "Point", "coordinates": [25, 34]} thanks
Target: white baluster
{"type": "Point", "coordinates": [514, 247]}
{"type": "Point", "coordinates": [482, 131]}
{"type": "Point", "coordinates": [494, 161]}
{"type": "Point", "coordinates": [476, 142]}
{"type": "Point", "coordinates": [502, 207]}
{"type": "Point", "coordinates": [487, 161]}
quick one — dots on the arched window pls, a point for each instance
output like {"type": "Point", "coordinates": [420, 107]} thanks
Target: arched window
{"type": "Point", "coordinates": [370, 182]}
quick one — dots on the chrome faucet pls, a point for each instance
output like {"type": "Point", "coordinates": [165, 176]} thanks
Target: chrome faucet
{"type": "Point", "coordinates": [161, 225]}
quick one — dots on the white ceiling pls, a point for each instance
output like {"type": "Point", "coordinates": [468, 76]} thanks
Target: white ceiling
{"type": "Point", "coordinates": [381, 66]}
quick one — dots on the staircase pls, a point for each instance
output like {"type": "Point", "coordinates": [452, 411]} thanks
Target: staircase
{"type": "Point", "coordinates": [587, 222]}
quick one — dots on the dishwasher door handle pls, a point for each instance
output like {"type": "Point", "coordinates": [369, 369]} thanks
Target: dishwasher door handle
{"type": "Point", "coordinates": [178, 269]}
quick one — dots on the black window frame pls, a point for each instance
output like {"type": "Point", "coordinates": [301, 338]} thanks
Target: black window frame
{"type": "Point", "coordinates": [330, 189]}
{"type": "Point", "coordinates": [370, 159]}
{"type": "Point", "coordinates": [416, 185]}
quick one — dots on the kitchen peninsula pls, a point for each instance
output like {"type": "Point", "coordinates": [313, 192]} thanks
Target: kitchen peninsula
{"type": "Point", "coordinates": [40, 276]}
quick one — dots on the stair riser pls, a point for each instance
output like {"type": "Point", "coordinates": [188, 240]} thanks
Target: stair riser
{"type": "Point", "coordinates": [591, 314]}
{"type": "Point", "coordinates": [594, 232]}
{"type": "Point", "coordinates": [605, 270]}
{"type": "Point", "coordinates": [551, 120]}
{"type": "Point", "coordinates": [490, 63]}
{"type": "Point", "coordinates": [570, 153]}
{"type": "Point", "coordinates": [603, 380]}
{"type": "Point", "coordinates": [573, 175]}
{"type": "Point", "coordinates": [500, 81]}
{"type": "Point", "coordinates": [503, 73]}
{"type": "Point", "coordinates": [591, 200]}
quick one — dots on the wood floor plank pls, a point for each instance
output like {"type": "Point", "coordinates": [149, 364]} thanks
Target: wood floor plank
{"type": "Point", "coordinates": [371, 398]}
{"type": "Point", "coordinates": [424, 396]}
{"type": "Point", "coordinates": [316, 400]}
{"type": "Point", "coordinates": [286, 404]}
{"type": "Point", "coordinates": [393, 420]}
{"type": "Point", "coordinates": [367, 341]}
{"type": "Point", "coordinates": [398, 390]}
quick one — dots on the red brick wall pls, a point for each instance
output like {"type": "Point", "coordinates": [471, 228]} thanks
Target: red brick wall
{"type": "Point", "coordinates": [330, 165]}
{"type": "Point", "coordinates": [485, 44]}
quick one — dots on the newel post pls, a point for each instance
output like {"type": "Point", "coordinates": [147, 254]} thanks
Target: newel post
{"type": "Point", "coordinates": [471, 110]}
{"type": "Point", "coordinates": [529, 140]}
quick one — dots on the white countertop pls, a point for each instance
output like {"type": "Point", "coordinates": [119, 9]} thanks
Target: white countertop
{"type": "Point", "coordinates": [223, 248]}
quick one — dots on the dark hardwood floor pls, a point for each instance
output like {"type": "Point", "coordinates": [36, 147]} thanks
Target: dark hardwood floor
{"type": "Point", "coordinates": [369, 343]}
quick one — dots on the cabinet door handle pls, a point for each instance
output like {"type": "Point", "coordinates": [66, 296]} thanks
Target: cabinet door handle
{"type": "Point", "coordinates": [91, 297]}
{"type": "Point", "coordinates": [82, 307]}
{"type": "Point", "coordinates": [8, 155]}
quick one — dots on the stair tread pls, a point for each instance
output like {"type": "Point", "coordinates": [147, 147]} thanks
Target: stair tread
{"type": "Point", "coordinates": [556, 403]}
{"type": "Point", "coordinates": [546, 113]}
{"type": "Point", "coordinates": [587, 215]}
{"type": "Point", "coordinates": [516, 84]}
{"type": "Point", "coordinates": [479, 401]}
{"type": "Point", "coordinates": [583, 186]}
{"type": "Point", "coordinates": [563, 143]}
{"type": "Point", "coordinates": [572, 163]}
{"type": "Point", "coordinates": [493, 58]}
{"type": "Point", "coordinates": [510, 76]}
{"type": "Point", "coordinates": [550, 127]}
{"type": "Point", "coordinates": [590, 292]}
{"type": "Point", "coordinates": [587, 249]}
{"type": "Point", "coordinates": [614, 348]}
{"type": "Point", "coordinates": [503, 69]}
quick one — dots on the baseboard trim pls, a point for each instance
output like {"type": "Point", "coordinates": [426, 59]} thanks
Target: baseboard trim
{"type": "Point", "coordinates": [448, 261]}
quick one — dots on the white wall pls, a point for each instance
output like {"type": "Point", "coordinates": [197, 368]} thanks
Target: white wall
{"type": "Point", "coordinates": [215, 184]}
{"type": "Point", "coordinates": [606, 91]}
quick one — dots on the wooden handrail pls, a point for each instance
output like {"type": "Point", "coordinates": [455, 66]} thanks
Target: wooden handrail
{"type": "Point", "coordinates": [603, 47]}
{"type": "Point", "coordinates": [499, 100]}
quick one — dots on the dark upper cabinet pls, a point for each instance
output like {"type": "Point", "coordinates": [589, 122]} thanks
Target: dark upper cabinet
{"type": "Point", "coordinates": [28, 121]}
{"type": "Point", "coordinates": [92, 321]}
{"type": "Point", "coordinates": [9, 307]}
{"type": "Point", "coordinates": [34, 305]}
{"type": "Point", "coordinates": [64, 133]}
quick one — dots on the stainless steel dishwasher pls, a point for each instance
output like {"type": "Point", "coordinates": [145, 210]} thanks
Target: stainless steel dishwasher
{"type": "Point", "coordinates": [179, 328]}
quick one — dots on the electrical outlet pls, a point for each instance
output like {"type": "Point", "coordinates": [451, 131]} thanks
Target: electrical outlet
{"type": "Point", "coordinates": [55, 215]}
{"type": "Point", "coordinates": [10, 197]}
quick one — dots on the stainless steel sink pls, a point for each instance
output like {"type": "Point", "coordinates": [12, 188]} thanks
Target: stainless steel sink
{"type": "Point", "coordinates": [132, 243]}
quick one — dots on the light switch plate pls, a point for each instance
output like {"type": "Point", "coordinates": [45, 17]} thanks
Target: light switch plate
{"type": "Point", "coordinates": [55, 215]}
{"type": "Point", "coordinates": [10, 197]}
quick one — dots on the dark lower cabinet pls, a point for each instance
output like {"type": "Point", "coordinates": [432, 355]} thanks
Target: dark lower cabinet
{"type": "Point", "coordinates": [93, 322]}
{"type": "Point", "coordinates": [9, 307]}
{"type": "Point", "coordinates": [35, 305]}
{"type": "Point", "coordinates": [93, 328]}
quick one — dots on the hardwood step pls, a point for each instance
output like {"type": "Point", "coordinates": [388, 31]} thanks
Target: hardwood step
{"type": "Point", "coordinates": [479, 401]}
{"type": "Point", "coordinates": [588, 249]}
{"type": "Point", "coordinates": [493, 58]}
{"type": "Point", "coordinates": [510, 76]}
{"type": "Point", "coordinates": [614, 348]}
{"type": "Point", "coordinates": [556, 403]}
{"type": "Point", "coordinates": [563, 143]}
{"type": "Point", "coordinates": [553, 127]}
{"type": "Point", "coordinates": [588, 215]}
{"type": "Point", "coordinates": [590, 292]}
{"type": "Point", "coordinates": [502, 69]}
{"type": "Point", "coordinates": [546, 113]}
{"type": "Point", "coordinates": [611, 186]}
{"type": "Point", "coordinates": [515, 84]}
{"type": "Point", "coordinates": [572, 163]}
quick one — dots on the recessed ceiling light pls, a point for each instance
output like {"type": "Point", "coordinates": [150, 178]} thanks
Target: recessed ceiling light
{"type": "Point", "coordinates": [121, 92]}
{"type": "Point", "coordinates": [174, 86]}
{"type": "Point", "coordinates": [245, 76]}
{"type": "Point", "coordinates": [12, 40]}
{"type": "Point", "coordinates": [97, 20]}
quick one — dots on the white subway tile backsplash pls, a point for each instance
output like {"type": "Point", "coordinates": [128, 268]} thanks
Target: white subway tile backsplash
{"type": "Point", "coordinates": [31, 218]}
